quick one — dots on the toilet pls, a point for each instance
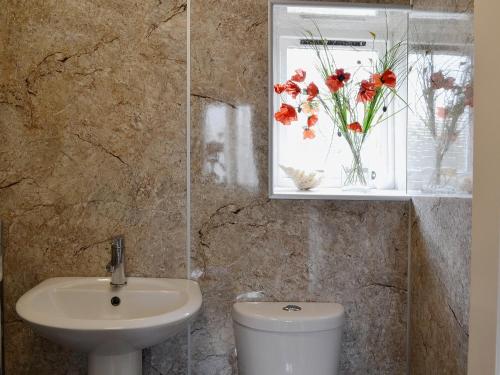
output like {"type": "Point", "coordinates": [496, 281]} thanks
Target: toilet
{"type": "Point", "coordinates": [288, 338]}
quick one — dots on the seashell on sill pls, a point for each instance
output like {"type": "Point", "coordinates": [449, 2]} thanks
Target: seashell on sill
{"type": "Point", "coordinates": [303, 180]}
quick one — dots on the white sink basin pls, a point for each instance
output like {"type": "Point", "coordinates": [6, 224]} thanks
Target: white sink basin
{"type": "Point", "coordinates": [77, 312]}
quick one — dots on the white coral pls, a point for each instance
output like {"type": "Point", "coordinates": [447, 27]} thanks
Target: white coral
{"type": "Point", "coordinates": [302, 179]}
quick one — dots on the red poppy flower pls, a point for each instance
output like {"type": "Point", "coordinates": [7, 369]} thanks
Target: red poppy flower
{"type": "Point", "coordinates": [387, 78]}
{"type": "Point", "coordinates": [312, 90]}
{"type": "Point", "coordinates": [309, 133]}
{"type": "Point", "coordinates": [469, 96]}
{"type": "Point", "coordinates": [366, 91]}
{"type": "Point", "coordinates": [312, 120]}
{"type": "Point", "coordinates": [286, 114]}
{"type": "Point", "coordinates": [437, 80]}
{"type": "Point", "coordinates": [336, 81]}
{"type": "Point", "coordinates": [279, 88]}
{"type": "Point", "coordinates": [292, 89]}
{"type": "Point", "coordinates": [299, 76]}
{"type": "Point", "coordinates": [441, 112]}
{"type": "Point", "coordinates": [355, 127]}
{"type": "Point", "coordinates": [449, 83]}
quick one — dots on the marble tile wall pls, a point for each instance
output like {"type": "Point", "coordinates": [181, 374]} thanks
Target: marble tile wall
{"type": "Point", "coordinates": [440, 248]}
{"type": "Point", "coordinates": [92, 114]}
{"type": "Point", "coordinates": [445, 5]}
{"type": "Point", "coordinates": [247, 247]}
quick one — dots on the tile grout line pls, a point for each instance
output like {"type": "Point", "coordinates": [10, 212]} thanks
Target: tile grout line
{"type": "Point", "coordinates": [408, 298]}
{"type": "Point", "coordinates": [188, 165]}
{"type": "Point", "coordinates": [409, 248]}
{"type": "Point", "coordinates": [188, 142]}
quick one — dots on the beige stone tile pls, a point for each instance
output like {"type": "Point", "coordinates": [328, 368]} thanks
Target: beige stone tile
{"type": "Point", "coordinates": [440, 278]}
{"type": "Point", "coordinates": [247, 247]}
{"type": "Point", "coordinates": [296, 251]}
{"type": "Point", "coordinates": [445, 5]}
{"type": "Point", "coordinates": [92, 114]}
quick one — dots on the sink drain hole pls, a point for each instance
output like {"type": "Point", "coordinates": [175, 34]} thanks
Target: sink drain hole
{"type": "Point", "coordinates": [115, 301]}
{"type": "Point", "coordinates": [292, 308]}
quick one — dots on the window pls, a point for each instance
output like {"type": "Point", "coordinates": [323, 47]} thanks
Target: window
{"type": "Point", "coordinates": [394, 156]}
{"type": "Point", "coordinates": [440, 124]}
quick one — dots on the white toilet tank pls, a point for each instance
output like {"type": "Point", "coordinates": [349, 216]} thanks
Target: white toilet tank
{"type": "Point", "coordinates": [288, 338]}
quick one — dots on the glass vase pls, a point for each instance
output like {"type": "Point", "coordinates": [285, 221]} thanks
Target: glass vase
{"type": "Point", "coordinates": [355, 176]}
{"type": "Point", "coordinates": [441, 180]}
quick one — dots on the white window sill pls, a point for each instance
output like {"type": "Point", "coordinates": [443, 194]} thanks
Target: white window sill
{"type": "Point", "coordinates": [339, 194]}
{"type": "Point", "coordinates": [370, 195]}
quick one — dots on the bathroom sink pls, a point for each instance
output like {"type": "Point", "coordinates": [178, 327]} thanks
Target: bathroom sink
{"type": "Point", "coordinates": [113, 324]}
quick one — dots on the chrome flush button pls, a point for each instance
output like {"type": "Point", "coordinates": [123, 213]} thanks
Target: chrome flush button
{"type": "Point", "coordinates": [292, 308]}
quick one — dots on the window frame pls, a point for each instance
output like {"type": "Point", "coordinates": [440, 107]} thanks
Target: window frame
{"type": "Point", "coordinates": [399, 192]}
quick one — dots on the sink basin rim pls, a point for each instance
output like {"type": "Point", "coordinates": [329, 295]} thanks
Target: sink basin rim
{"type": "Point", "coordinates": [177, 316]}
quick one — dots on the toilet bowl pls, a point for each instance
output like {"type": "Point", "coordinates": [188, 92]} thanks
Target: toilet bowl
{"type": "Point", "coordinates": [288, 338]}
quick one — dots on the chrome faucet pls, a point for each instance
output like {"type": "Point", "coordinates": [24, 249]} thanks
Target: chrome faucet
{"type": "Point", "coordinates": [117, 264]}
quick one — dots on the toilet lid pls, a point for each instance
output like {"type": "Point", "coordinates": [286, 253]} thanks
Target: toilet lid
{"type": "Point", "coordinates": [289, 316]}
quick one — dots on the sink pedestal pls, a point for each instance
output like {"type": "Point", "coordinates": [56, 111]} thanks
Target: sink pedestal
{"type": "Point", "coordinates": [120, 364]}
